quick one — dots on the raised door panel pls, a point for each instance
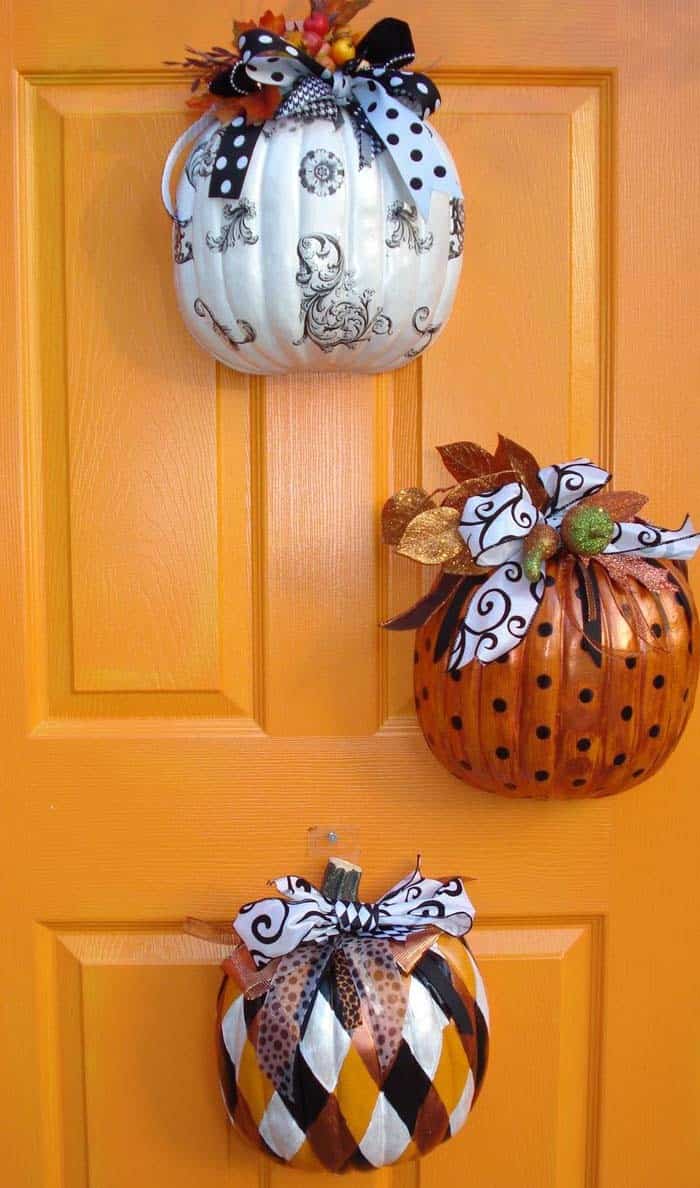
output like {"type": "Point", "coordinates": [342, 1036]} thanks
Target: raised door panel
{"type": "Point", "coordinates": [130, 1081]}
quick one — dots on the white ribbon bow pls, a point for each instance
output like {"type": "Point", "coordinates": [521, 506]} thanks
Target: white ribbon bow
{"type": "Point", "coordinates": [494, 527]}
{"type": "Point", "coordinates": [275, 927]}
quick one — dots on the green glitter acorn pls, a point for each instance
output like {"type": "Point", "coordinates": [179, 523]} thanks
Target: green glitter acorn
{"type": "Point", "coordinates": [543, 542]}
{"type": "Point", "coordinates": [587, 530]}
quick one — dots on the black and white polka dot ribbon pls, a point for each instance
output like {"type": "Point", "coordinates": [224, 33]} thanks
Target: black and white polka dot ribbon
{"type": "Point", "coordinates": [274, 927]}
{"type": "Point", "coordinates": [389, 103]}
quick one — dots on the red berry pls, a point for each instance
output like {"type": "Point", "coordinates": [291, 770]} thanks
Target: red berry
{"type": "Point", "coordinates": [317, 23]}
{"type": "Point", "coordinates": [312, 41]}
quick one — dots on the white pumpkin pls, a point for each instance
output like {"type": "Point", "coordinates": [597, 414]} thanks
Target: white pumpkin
{"type": "Point", "coordinates": [319, 265]}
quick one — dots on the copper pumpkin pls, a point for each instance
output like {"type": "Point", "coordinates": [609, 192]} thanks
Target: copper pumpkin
{"type": "Point", "coordinates": [555, 716]}
{"type": "Point", "coordinates": [556, 654]}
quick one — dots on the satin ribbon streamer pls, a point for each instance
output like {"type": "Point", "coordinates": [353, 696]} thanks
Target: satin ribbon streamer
{"type": "Point", "coordinates": [388, 105]}
{"type": "Point", "coordinates": [494, 526]}
{"type": "Point", "coordinates": [303, 932]}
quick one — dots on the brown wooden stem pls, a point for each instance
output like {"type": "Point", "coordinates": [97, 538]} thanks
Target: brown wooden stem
{"type": "Point", "coordinates": [341, 880]}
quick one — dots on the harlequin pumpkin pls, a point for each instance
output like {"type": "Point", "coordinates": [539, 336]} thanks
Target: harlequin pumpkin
{"type": "Point", "coordinates": [363, 1042]}
{"type": "Point", "coordinates": [556, 655]}
{"type": "Point", "coordinates": [326, 233]}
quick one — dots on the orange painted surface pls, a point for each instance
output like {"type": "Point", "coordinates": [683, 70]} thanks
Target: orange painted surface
{"type": "Point", "coordinates": [193, 673]}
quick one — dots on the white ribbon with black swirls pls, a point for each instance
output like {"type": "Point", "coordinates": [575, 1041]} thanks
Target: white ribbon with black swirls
{"type": "Point", "coordinates": [275, 927]}
{"type": "Point", "coordinates": [495, 525]}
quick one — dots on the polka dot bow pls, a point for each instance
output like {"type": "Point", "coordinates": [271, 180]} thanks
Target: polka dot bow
{"type": "Point", "coordinates": [388, 104]}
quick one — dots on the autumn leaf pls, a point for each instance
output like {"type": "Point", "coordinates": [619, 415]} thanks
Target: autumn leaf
{"type": "Point", "coordinates": [621, 505]}
{"type": "Point", "coordinates": [398, 512]}
{"type": "Point", "coordinates": [432, 537]}
{"type": "Point", "coordinates": [459, 495]}
{"type": "Point", "coordinates": [273, 24]}
{"type": "Point", "coordinates": [466, 459]}
{"type": "Point", "coordinates": [510, 455]}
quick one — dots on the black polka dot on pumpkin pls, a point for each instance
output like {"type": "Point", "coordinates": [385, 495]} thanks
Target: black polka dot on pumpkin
{"type": "Point", "coordinates": [657, 630]}
{"type": "Point", "coordinates": [586, 695]}
{"type": "Point", "coordinates": [583, 744]}
{"type": "Point", "coordinates": [639, 772]}
{"type": "Point", "coordinates": [631, 661]}
{"type": "Point", "coordinates": [541, 776]}
{"type": "Point", "coordinates": [578, 783]}
{"type": "Point", "coordinates": [416, 183]}
{"type": "Point", "coordinates": [392, 138]}
{"type": "Point", "coordinates": [502, 753]}
{"type": "Point", "coordinates": [456, 722]}
{"type": "Point", "coordinates": [543, 732]}
{"type": "Point", "coordinates": [659, 682]}
{"type": "Point", "coordinates": [654, 731]}
{"type": "Point", "coordinates": [626, 713]}
{"type": "Point", "coordinates": [456, 674]}
{"type": "Point", "coordinates": [545, 629]}
{"type": "Point", "coordinates": [392, 113]}
{"type": "Point", "coordinates": [416, 155]}
{"type": "Point", "coordinates": [549, 581]}
{"type": "Point", "coordinates": [499, 705]}
{"type": "Point", "coordinates": [416, 129]}
{"type": "Point", "coordinates": [424, 693]}
{"type": "Point", "coordinates": [465, 764]}
{"type": "Point", "coordinates": [579, 591]}
{"type": "Point", "coordinates": [543, 681]}
{"type": "Point", "coordinates": [439, 171]}
{"type": "Point", "coordinates": [619, 759]}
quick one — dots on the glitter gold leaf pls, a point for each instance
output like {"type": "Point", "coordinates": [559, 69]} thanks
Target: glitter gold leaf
{"type": "Point", "coordinates": [398, 512]}
{"type": "Point", "coordinates": [432, 537]}
{"type": "Point", "coordinates": [464, 563]}
{"type": "Point", "coordinates": [466, 459]}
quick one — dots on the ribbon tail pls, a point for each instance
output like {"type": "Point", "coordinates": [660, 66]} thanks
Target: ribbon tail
{"type": "Point", "coordinates": [383, 991]}
{"type": "Point", "coordinates": [286, 1012]}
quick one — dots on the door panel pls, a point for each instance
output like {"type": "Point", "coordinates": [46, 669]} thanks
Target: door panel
{"type": "Point", "coordinates": [194, 672]}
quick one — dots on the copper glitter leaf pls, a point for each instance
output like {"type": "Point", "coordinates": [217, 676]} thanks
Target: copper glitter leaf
{"type": "Point", "coordinates": [459, 495]}
{"type": "Point", "coordinates": [466, 459]}
{"type": "Point", "coordinates": [621, 505]}
{"type": "Point", "coordinates": [510, 455]}
{"type": "Point", "coordinates": [398, 512]}
{"type": "Point", "coordinates": [432, 537]}
{"type": "Point", "coordinates": [623, 569]}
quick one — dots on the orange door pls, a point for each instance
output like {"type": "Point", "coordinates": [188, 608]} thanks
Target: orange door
{"type": "Point", "coordinates": [193, 675]}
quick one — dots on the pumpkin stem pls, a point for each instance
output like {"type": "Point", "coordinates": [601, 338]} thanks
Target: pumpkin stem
{"type": "Point", "coordinates": [341, 880]}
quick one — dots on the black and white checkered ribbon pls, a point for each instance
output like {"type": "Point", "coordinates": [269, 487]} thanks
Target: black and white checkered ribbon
{"type": "Point", "coordinates": [275, 927]}
{"type": "Point", "coordinates": [388, 104]}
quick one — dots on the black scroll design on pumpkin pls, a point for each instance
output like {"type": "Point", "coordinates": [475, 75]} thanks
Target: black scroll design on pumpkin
{"type": "Point", "coordinates": [403, 226]}
{"type": "Point", "coordinates": [182, 246]}
{"type": "Point", "coordinates": [200, 162]}
{"type": "Point", "coordinates": [421, 323]}
{"type": "Point", "coordinates": [456, 228]}
{"type": "Point", "coordinates": [226, 333]}
{"type": "Point", "coordinates": [332, 311]}
{"type": "Point", "coordinates": [235, 227]}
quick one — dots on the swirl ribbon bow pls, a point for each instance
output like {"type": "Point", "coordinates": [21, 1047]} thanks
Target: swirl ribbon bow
{"type": "Point", "coordinates": [388, 106]}
{"type": "Point", "coordinates": [511, 528]}
{"type": "Point", "coordinates": [295, 940]}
